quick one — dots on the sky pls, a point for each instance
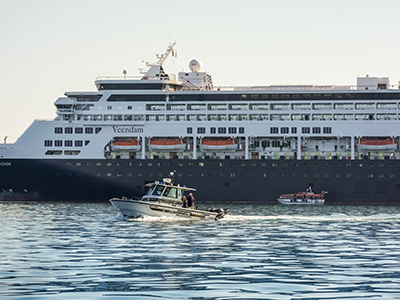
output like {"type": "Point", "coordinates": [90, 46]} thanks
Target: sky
{"type": "Point", "coordinates": [49, 47]}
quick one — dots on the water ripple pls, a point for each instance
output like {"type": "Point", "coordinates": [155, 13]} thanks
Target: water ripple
{"type": "Point", "coordinates": [88, 251]}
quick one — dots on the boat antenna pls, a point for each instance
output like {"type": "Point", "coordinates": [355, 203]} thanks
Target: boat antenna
{"type": "Point", "coordinates": [172, 174]}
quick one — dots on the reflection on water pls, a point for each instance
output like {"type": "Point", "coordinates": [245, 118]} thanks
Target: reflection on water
{"type": "Point", "coordinates": [88, 251]}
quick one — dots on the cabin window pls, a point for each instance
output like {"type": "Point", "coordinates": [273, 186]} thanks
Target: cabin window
{"type": "Point", "coordinates": [238, 106]}
{"type": "Point", "coordinates": [162, 118]}
{"type": "Point", "coordinates": [327, 130]}
{"type": "Point", "coordinates": [138, 118]}
{"type": "Point", "coordinates": [201, 130]}
{"type": "Point", "coordinates": [364, 106]}
{"type": "Point", "coordinates": [322, 106]}
{"type": "Point", "coordinates": [386, 106]}
{"type": "Point", "coordinates": [201, 118]}
{"type": "Point", "coordinates": [53, 152]}
{"type": "Point", "coordinates": [176, 106]}
{"type": "Point", "coordinates": [197, 107]}
{"type": "Point", "coordinates": [285, 130]}
{"type": "Point", "coordinates": [158, 190]}
{"type": "Point", "coordinates": [280, 106]}
{"type": "Point", "coordinates": [232, 130]}
{"type": "Point", "coordinates": [316, 130]}
{"type": "Point", "coordinates": [259, 106]}
{"type": "Point", "coordinates": [191, 117]}
{"type": "Point", "coordinates": [317, 117]}
{"type": "Point", "coordinates": [170, 192]}
{"type": "Point", "coordinates": [73, 152]}
{"type": "Point", "coordinates": [48, 143]}
{"type": "Point", "coordinates": [217, 106]}
{"type": "Point", "coordinates": [58, 130]}
{"type": "Point", "coordinates": [221, 130]}
{"type": "Point", "coordinates": [275, 117]}
{"type": "Point", "coordinates": [301, 106]}
{"type": "Point", "coordinates": [344, 106]}
{"type": "Point", "coordinates": [305, 130]}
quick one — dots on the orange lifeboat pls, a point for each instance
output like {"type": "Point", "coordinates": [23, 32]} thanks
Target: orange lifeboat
{"type": "Point", "coordinates": [126, 144]}
{"type": "Point", "coordinates": [377, 144]}
{"type": "Point", "coordinates": [302, 198]}
{"type": "Point", "coordinates": [219, 144]}
{"type": "Point", "coordinates": [166, 144]}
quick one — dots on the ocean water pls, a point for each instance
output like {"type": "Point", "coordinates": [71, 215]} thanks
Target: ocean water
{"type": "Point", "coordinates": [89, 251]}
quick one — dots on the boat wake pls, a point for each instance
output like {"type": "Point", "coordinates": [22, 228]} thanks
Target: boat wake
{"type": "Point", "coordinates": [158, 219]}
{"type": "Point", "coordinates": [337, 217]}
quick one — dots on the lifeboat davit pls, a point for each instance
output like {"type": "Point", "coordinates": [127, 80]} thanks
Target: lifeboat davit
{"type": "Point", "coordinates": [219, 145]}
{"type": "Point", "coordinates": [377, 144]}
{"type": "Point", "coordinates": [126, 144]}
{"type": "Point", "coordinates": [167, 144]}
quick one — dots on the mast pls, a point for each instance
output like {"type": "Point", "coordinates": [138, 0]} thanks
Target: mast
{"type": "Point", "coordinates": [162, 57]}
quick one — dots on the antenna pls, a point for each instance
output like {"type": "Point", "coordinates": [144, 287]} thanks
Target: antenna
{"type": "Point", "coordinates": [162, 57]}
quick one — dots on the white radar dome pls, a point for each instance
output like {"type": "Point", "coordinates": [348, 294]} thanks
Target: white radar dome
{"type": "Point", "coordinates": [194, 65]}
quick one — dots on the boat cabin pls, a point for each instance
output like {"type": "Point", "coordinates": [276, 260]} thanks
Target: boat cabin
{"type": "Point", "coordinates": [165, 192]}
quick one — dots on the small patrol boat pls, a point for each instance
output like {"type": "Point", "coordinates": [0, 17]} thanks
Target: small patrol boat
{"type": "Point", "coordinates": [165, 199]}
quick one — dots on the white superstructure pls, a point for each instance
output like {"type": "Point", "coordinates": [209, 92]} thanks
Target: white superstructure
{"type": "Point", "coordinates": [163, 116]}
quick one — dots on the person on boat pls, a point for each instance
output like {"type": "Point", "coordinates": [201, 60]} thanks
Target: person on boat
{"type": "Point", "coordinates": [191, 201]}
{"type": "Point", "coordinates": [184, 201]}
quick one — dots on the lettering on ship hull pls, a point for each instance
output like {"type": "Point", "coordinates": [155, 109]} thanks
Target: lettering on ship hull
{"type": "Point", "coordinates": [127, 129]}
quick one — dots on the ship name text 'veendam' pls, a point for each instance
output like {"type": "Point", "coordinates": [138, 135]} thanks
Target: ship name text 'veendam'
{"type": "Point", "coordinates": [127, 129]}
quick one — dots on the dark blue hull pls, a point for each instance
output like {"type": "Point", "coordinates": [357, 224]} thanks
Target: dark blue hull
{"type": "Point", "coordinates": [239, 181]}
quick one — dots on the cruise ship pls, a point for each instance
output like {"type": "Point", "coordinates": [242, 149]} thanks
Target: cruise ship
{"type": "Point", "coordinates": [234, 144]}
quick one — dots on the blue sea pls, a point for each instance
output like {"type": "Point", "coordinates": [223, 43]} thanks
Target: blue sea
{"type": "Point", "coordinates": [60, 250]}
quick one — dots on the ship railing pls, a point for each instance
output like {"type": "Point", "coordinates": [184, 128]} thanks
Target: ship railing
{"type": "Point", "coordinates": [118, 78]}
{"type": "Point", "coordinates": [170, 78]}
{"type": "Point", "coordinates": [296, 88]}
{"type": "Point", "coordinates": [286, 88]}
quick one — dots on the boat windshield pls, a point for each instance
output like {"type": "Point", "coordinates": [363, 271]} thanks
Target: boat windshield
{"type": "Point", "coordinates": [158, 190]}
{"type": "Point", "coordinates": [170, 192]}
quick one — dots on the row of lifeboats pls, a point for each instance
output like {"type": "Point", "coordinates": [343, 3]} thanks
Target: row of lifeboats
{"type": "Point", "coordinates": [176, 144]}
{"type": "Point", "coordinates": [229, 144]}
